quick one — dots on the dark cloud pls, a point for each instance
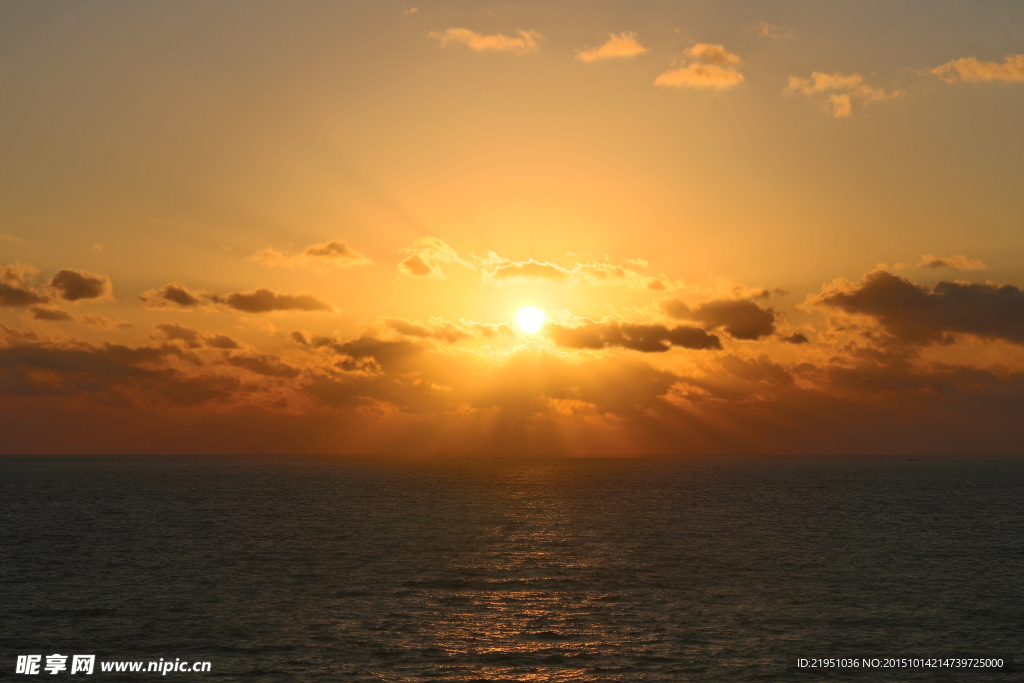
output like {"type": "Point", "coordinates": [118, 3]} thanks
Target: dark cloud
{"type": "Point", "coordinates": [194, 339]}
{"type": "Point", "coordinates": [646, 338]}
{"type": "Point", "coordinates": [333, 250]}
{"type": "Point", "coordinates": [52, 314]}
{"type": "Point", "coordinates": [915, 314]}
{"type": "Point", "coordinates": [388, 355]}
{"type": "Point", "coordinates": [795, 338]}
{"type": "Point", "coordinates": [173, 295]}
{"type": "Point", "coordinates": [262, 300]}
{"type": "Point", "coordinates": [15, 290]}
{"type": "Point", "coordinates": [219, 341]}
{"type": "Point", "coordinates": [174, 332]}
{"type": "Point", "coordinates": [372, 395]}
{"type": "Point", "coordinates": [263, 364]}
{"type": "Point", "coordinates": [109, 374]}
{"type": "Point", "coordinates": [76, 285]}
{"type": "Point", "coordinates": [740, 318]}
{"type": "Point", "coordinates": [141, 355]}
{"type": "Point", "coordinates": [656, 285]}
{"type": "Point", "coordinates": [265, 301]}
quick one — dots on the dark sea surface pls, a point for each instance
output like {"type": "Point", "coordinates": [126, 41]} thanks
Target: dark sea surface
{"type": "Point", "coordinates": [316, 569]}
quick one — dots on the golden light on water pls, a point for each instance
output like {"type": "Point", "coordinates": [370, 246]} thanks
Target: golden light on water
{"type": "Point", "coordinates": [530, 319]}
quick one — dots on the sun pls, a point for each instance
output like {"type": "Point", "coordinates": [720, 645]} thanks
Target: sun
{"type": "Point", "coordinates": [530, 319]}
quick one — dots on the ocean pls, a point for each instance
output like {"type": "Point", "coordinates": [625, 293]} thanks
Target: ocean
{"type": "Point", "coordinates": [321, 569]}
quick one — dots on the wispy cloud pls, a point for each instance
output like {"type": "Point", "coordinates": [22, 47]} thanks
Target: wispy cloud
{"type": "Point", "coordinates": [766, 30]}
{"type": "Point", "coordinates": [524, 43]}
{"type": "Point", "coordinates": [318, 256]}
{"type": "Point", "coordinates": [426, 256]}
{"type": "Point", "coordinates": [618, 45]}
{"type": "Point", "coordinates": [840, 91]}
{"type": "Point", "coordinates": [956, 262]}
{"type": "Point", "coordinates": [497, 270]}
{"type": "Point", "coordinates": [712, 67]}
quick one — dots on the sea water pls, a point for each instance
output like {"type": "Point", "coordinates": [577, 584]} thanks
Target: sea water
{"type": "Point", "coordinates": [321, 569]}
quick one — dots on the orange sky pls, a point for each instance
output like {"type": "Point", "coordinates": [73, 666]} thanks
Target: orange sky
{"type": "Point", "coordinates": [251, 227]}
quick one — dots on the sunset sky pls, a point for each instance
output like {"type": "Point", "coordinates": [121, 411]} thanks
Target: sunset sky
{"type": "Point", "coordinates": [308, 227]}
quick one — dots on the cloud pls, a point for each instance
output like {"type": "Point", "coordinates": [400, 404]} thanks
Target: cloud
{"type": "Point", "coordinates": [75, 285]}
{"type": "Point", "coordinates": [219, 341]}
{"type": "Point", "coordinates": [50, 314]}
{"type": "Point", "coordinates": [491, 330]}
{"type": "Point", "coordinates": [416, 266]}
{"type": "Point", "coordinates": [713, 67]}
{"type": "Point", "coordinates": [263, 300]}
{"type": "Point", "coordinates": [637, 337]}
{"type": "Point", "coordinates": [10, 238]}
{"type": "Point", "coordinates": [656, 285]}
{"type": "Point", "coordinates": [262, 364]}
{"type": "Point", "coordinates": [318, 256]}
{"type": "Point", "coordinates": [369, 352]}
{"type": "Point", "coordinates": [530, 269]}
{"type": "Point", "coordinates": [15, 289]}
{"type": "Point", "coordinates": [973, 70]}
{"type": "Point", "coordinates": [795, 338]}
{"type": "Point", "coordinates": [174, 295]}
{"type": "Point", "coordinates": [174, 332]}
{"type": "Point", "coordinates": [618, 45]}
{"type": "Point", "coordinates": [525, 43]}
{"type": "Point", "coordinates": [700, 76]}
{"type": "Point", "coordinates": [102, 322]}
{"type": "Point", "coordinates": [367, 394]}
{"type": "Point", "coordinates": [766, 30]}
{"type": "Point", "coordinates": [714, 54]}
{"type": "Point", "coordinates": [435, 328]}
{"type": "Point", "coordinates": [840, 91]}
{"type": "Point", "coordinates": [446, 331]}
{"type": "Point", "coordinates": [913, 314]}
{"type": "Point", "coordinates": [496, 269]}
{"type": "Point", "coordinates": [411, 10]}
{"type": "Point", "coordinates": [426, 256]}
{"type": "Point", "coordinates": [740, 318]}
{"type": "Point", "coordinates": [957, 262]}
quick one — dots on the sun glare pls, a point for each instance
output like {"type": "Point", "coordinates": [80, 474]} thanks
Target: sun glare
{"type": "Point", "coordinates": [530, 319]}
